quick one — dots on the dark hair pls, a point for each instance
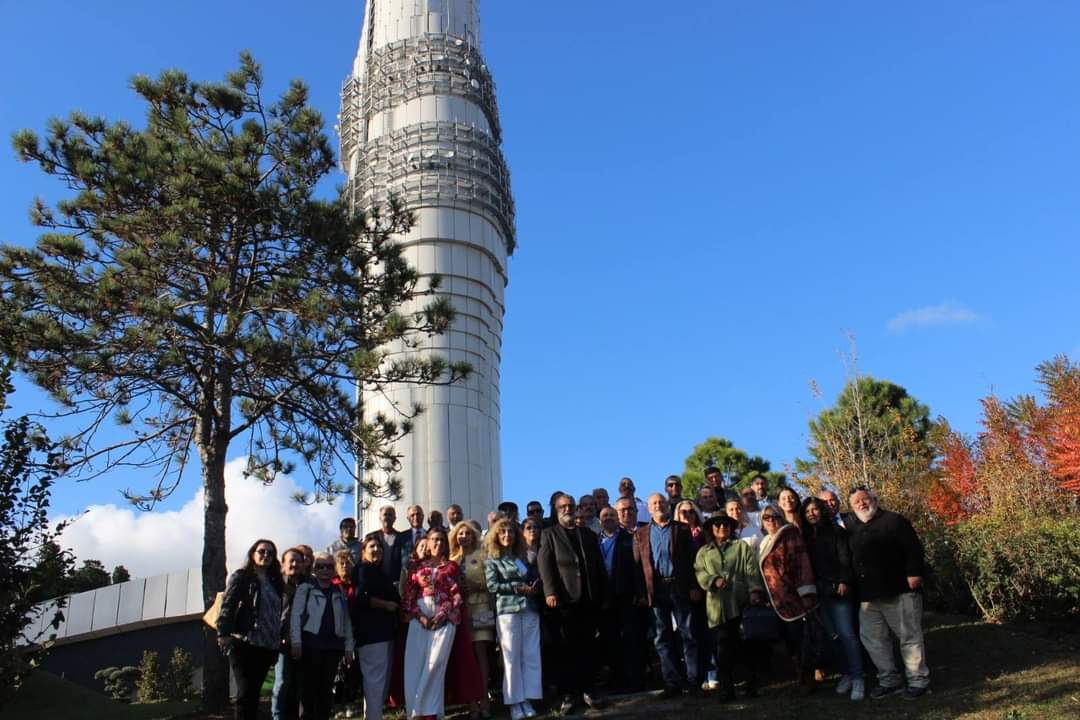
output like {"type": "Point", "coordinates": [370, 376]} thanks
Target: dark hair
{"type": "Point", "coordinates": [551, 502]}
{"type": "Point", "coordinates": [508, 506]}
{"type": "Point", "coordinates": [755, 476]}
{"type": "Point", "coordinates": [446, 544]}
{"type": "Point", "coordinates": [715, 520]}
{"type": "Point", "coordinates": [712, 470]}
{"type": "Point", "coordinates": [824, 526]}
{"type": "Point", "coordinates": [273, 571]}
{"type": "Point", "coordinates": [555, 498]}
{"type": "Point", "coordinates": [346, 521]}
{"type": "Point", "coordinates": [531, 503]}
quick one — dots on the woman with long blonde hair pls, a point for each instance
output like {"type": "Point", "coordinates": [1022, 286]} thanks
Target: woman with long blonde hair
{"type": "Point", "coordinates": [468, 552]}
{"type": "Point", "coordinates": [516, 587]}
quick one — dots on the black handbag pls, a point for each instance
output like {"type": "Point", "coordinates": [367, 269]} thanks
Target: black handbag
{"type": "Point", "coordinates": [760, 623]}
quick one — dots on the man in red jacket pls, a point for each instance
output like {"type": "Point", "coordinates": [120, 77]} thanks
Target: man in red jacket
{"type": "Point", "coordinates": [665, 551]}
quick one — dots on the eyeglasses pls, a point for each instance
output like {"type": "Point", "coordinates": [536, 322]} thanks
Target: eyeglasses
{"type": "Point", "coordinates": [263, 552]}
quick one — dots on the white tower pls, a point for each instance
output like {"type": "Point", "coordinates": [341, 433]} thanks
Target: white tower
{"type": "Point", "coordinates": [419, 119]}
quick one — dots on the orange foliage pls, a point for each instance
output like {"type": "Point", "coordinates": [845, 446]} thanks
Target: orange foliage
{"type": "Point", "coordinates": [1026, 458]}
{"type": "Point", "coordinates": [1065, 449]}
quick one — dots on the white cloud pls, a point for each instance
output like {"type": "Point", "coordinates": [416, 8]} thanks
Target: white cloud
{"type": "Point", "coordinates": [947, 313]}
{"type": "Point", "coordinates": [151, 543]}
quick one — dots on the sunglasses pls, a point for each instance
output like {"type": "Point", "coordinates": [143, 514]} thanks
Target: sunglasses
{"type": "Point", "coordinates": [261, 552]}
{"type": "Point", "coordinates": [768, 517]}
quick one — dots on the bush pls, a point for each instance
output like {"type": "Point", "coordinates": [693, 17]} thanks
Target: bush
{"type": "Point", "coordinates": [177, 679]}
{"type": "Point", "coordinates": [946, 587]}
{"type": "Point", "coordinates": [150, 688]}
{"type": "Point", "coordinates": [119, 681]}
{"type": "Point", "coordinates": [1022, 567]}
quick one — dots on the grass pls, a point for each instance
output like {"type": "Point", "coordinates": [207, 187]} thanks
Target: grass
{"type": "Point", "coordinates": [978, 672]}
{"type": "Point", "coordinates": [47, 696]}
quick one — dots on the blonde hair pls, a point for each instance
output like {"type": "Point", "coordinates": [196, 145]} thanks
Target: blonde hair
{"type": "Point", "coordinates": [495, 549]}
{"type": "Point", "coordinates": [456, 551]}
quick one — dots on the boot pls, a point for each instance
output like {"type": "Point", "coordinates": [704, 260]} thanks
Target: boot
{"type": "Point", "coordinates": [807, 682]}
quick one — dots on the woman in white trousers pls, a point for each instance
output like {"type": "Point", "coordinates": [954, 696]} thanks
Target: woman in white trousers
{"type": "Point", "coordinates": [375, 606]}
{"type": "Point", "coordinates": [515, 587]}
{"type": "Point", "coordinates": [432, 599]}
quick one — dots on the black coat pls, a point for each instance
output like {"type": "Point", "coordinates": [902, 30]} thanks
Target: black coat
{"type": "Point", "coordinates": [372, 625]}
{"type": "Point", "coordinates": [884, 553]}
{"type": "Point", "coordinates": [830, 556]}
{"type": "Point", "coordinates": [561, 571]}
{"type": "Point", "coordinates": [240, 604]}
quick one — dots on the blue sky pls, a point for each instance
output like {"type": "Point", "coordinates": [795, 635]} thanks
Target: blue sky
{"type": "Point", "coordinates": [710, 195]}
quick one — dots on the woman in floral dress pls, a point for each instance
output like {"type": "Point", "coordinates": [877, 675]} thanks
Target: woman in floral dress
{"type": "Point", "coordinates": [432, 602]}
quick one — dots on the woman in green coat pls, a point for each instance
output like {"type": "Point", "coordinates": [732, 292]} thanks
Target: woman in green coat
{"type": "Point", "coordinates": [728, 572]}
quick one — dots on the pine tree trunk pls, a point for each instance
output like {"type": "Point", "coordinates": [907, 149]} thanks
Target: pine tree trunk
{"type": "Point", "coordinates": [215, 665]}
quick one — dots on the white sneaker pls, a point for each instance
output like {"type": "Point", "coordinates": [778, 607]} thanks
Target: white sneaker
{"type": "Point", "coordinates": [858, 690]}
{"type": "Point", "coordinates": [844, 685]}
{"type": "Point", "coordinates": [710, 685]}
{"type": "Point", "coordinates": [530, 711]}
{"type": "Point", "coordinates": [517, 712]}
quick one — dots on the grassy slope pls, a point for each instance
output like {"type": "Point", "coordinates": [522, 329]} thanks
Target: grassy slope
{"type": "Point", "coordinates": [978, 672]}
{"type": "Point", "coordinates": [47, 696]}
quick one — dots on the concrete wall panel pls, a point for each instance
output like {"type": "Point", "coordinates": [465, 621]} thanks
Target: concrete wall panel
{"type": "Point", "coordinates": [155, 597]}
{"type": "Point", "coordinates": [79, 614]}
{"type": "Point", "coordinates": [106, 607]}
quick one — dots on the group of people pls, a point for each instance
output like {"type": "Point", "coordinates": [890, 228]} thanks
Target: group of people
{"type": "Point", "coordinates": [427, 616]}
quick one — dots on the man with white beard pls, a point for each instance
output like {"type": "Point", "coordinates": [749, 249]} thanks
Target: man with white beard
{"type": "Point", "coordinates": [888, 560]}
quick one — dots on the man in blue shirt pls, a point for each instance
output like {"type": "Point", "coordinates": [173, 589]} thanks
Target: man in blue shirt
{"type": "Point", "coordinates": [664, 550]}
{"type": "Point", "coordinates": [622, 626]}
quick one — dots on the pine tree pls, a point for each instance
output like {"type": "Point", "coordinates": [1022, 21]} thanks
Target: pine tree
{"type": "Point", "coordinates": [149, 687]}
{"type": "Point", "coordinates": [120, 574]}
{"type": "Point", "coordinates": [196, 291]}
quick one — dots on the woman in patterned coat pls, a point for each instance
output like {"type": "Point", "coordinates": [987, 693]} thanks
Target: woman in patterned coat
{"type": "Point", "coordinates": [789, 580]}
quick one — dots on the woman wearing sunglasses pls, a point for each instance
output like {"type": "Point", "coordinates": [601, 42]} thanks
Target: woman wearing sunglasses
{"type": "Point", "coordinates": [249, 626]}
{"type": "Point", "coordinates": [320, 634]}
{"type": "Point", "coordinates": [789, 579]}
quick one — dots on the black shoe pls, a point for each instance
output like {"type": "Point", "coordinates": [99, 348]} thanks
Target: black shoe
{"type": "Point", "coordinates": [727, 692]}
{"type": "Point", "coordinates": [884, 691]}
{"type": "Point", "coordinates": [670, 691]}
{"type": "Point", "coordinates": [567, 705]}
{"type": "Point", "coordinates": [595, 702]}
{"type": "Point", "coordinates": [914, 693]}
{"type": "Point", "coordinates": [752, 688]}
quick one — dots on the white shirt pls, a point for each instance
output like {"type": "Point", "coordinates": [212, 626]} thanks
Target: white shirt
{"type": "Point", "coordinates": [751, 535]}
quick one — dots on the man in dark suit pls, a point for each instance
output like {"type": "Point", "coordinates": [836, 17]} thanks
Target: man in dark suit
{"type": "Point", "coordinates": [622, 634]}
{"type": "Point", "coordinates": [665, 551]}
{"type": "Point", "coordinates": [572, 572]}
{"type": "Point", "coordinates": [394, 543]}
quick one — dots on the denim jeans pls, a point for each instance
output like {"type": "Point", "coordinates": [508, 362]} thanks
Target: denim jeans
{"type": "Point", "coordinates": [667, 606]}
{"type": "Point", "coordinates": [283, 701]}
{"type": "Point", "coordinates": [838, 615]}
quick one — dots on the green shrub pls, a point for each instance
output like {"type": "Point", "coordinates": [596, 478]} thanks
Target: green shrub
{"type": "Point", "coordinates": [1022, 567]}
{"type": "Point", "coordinates": [119, 681]}
{"type": "Point", "coordinates": [149, 689]}
{"type": "Point", "coordinates": [946, 586]}
{"type": "Point", "coordinates": [177, 678]}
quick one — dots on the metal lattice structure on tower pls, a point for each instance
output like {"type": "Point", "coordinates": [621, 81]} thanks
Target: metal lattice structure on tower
{"type": "Point", "coordinates": [419, 120]}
